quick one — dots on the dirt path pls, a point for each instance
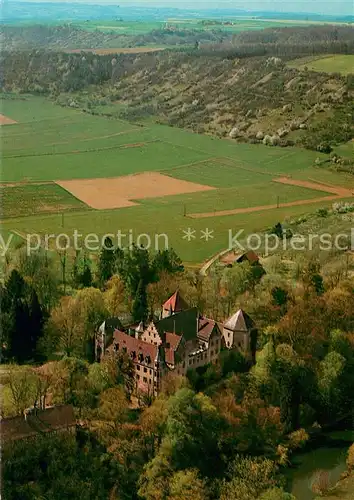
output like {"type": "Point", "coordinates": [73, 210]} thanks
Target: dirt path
{"type": "Point", "coordinates": [316, 186]}
{"type": "Point", "coordinates": [337, 193]}
{"type": "Point", "coordinates": [204, 269]}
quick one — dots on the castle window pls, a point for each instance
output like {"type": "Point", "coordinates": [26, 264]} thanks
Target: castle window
{"type": "Point", "coordinates": [137, 377]}
{"type": "Point", "coordinates": [141, 357]}
{"type": "Point", "coordinates": [144, 379]}
{"type": "Point", "coordinates": [211, 353]}
{"type": "Point", "coordinates": [138, 368]}
{"type": "Point", "coordinates": [145, 369]}
{"type": "Point", "coordinates": [228, 344]}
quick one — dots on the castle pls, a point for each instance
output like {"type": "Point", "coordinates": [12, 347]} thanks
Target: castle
{"type": "Point", "coordinates": [180, 340]}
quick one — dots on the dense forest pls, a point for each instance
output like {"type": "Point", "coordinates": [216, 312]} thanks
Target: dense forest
{"type": "Point", "coordinates": [224, 431]}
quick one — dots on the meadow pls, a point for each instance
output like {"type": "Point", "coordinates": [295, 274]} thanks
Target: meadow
{"type": "Point", "coordinates": [50, 143]}
{"type": "Point", "coordinates": [338, 63]}
{"type": "Point", "coordinates": [32, 199]}
{"type": "Point", "coordinates": [141, 27]}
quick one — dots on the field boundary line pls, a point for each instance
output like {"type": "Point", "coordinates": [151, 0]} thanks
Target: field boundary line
{"type": "Point", "coordinates": [329, 184]}
{"type": "Point", "coordinates": [199, 162]}
{"type": "Point", "coordinates": [61, 153]}
{"type": "Point", "coordinates": [288, 155]}
{"type": "Point", "coordinates": [13, 184]}
{"type": "Point", "coordinates": [262, 208]}
{"type": "Point", "coordinates": [337, 190]}
{"type": "Point", "coordinates": [249, 169]}
{"type": "Point", "coordinates": [77, 140]}
{"type": "Point", "coordinates": [197, 150]}
{"type": "Point", "coordinates": [338, 193]}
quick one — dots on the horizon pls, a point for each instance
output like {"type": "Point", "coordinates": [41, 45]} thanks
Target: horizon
{"type": "Point", "coordinates": [315, 7]}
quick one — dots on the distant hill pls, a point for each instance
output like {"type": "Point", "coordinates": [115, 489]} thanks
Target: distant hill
{"type": "Point", "coordinates": [66, 36]}
{"type": "Point", "coordinates": [12, 12]}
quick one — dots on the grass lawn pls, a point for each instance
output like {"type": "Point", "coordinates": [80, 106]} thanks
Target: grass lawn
{"type": "Point", "coordinates": [108, 163]}
{"type": "Point", "coordinates": [156, 220]}
{"type": "Point", "coordinates": [143, 27]}
{"type": "Point", "coordinates": [32, 199]}
{"type": "Point", "coordinates": [346, 150]}
{"type": "Point", "coordinates": [217, 174]}
{"type": "Point", "coordinates": [343, 64]}
{"type": "Point", "coordinates": [52, 142]}
{"type": "Point", "coordinates": [266, 193]}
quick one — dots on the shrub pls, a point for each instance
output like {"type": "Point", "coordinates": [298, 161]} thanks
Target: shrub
{"type": "Point", "coordinates": [350, 458]}
{"type": "Point", "coordinates": [322, 212]}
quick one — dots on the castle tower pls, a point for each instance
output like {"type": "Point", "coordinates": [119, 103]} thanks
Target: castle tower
{"type": "Point", "coordinates": [173, 305]}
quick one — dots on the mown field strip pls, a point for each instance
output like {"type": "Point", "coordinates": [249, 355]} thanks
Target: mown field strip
{"type": "Point", "coordinates": [337, 193]}
{"type": "Point", "coordinates": [82, 151]}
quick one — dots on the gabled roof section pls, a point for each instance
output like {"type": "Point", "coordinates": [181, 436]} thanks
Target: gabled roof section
{"type": "Point", "coordinates": [206, 327]}
{"type": "Point", "coordinates": [175, 303]}
{"type": "Point", "coordinates": [250, 255]}
{"type": "Point", "coordinates": [239, 322]}
{"type": "Point", "coordinates": [173, 340]}
{"type": "Point", "coordinates": [133, 347]}
{"type": "Point", "coordinates": [183, 324]}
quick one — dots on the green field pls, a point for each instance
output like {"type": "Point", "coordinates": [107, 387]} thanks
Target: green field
{"type": "Point", "coordinates": [242, 196]}
{"type": "Point", "coordinates": [142, 27]}
{"type": "Point", "coordinates": [50, 143]}
{"type": "Point", "coordinates": [343, 64]}
{"type": "Point", "coordinates": [33, 199]}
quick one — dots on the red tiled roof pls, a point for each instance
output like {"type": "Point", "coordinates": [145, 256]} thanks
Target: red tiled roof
{"type": "Point", "coordinates": [172, 343]}
{"type": "Point", "coordinates": [175, 303]}
{"type": "Point", "coordinates": [170, 355]}
{"type": "Point", "coordinates": [251, 256]}
{"type": "Point", "coordinates": [173, 340]}
{"type": "Point", "coordinates": [205, 328]}
{"type": "Point", "coordinates": [123, 340]}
